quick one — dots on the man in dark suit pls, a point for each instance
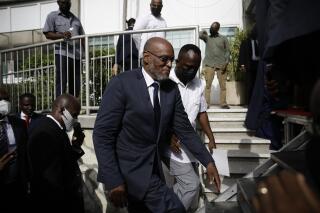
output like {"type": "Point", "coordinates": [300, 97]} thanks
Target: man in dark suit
{"type": "Point", "coordinates": [248, 60]}
{"type": "Point", "coordinates": [56, 182]}
{"type": "Point", "coordinates": [13, 167]}
{"type": "Point", "coordinates": [132, 126]}
{"type": "Point", "coordinates": [27, 105]}
{"type": "Point", "coordinates": [127, 53]}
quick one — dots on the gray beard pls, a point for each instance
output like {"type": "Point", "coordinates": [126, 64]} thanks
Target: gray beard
{"type": "Point", "coordinates": [161, 77]}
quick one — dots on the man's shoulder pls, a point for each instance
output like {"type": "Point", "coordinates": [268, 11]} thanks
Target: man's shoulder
{"type": "Point", "coordinates": [45, 124]}
{"type": "Point", "coordinates": [169, 85]}
{"type": "Point", "coordinates": [129, 74]}
{"type": "Point", "coordinates": [198, 82]}
{"type": "Point", "coordinates": [14, 120]}
{"type": "Point", "coordinates": [37, 115]}
{"type": "Point", "coordinates": [74, 17]}
{"type": "Point", "coordinates": [54, 14]}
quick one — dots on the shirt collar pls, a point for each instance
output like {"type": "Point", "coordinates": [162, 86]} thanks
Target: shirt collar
{"type": "Point", "coordinates": [149, 80]}
{"type": "Point", "coordinates": [174, 77]}
{"type": "Point", "coordinates": [50, 116]}
{"type": "Point", "coordinates": [60, 13]}
{"type": "Point", "coordinates": [22, 114]}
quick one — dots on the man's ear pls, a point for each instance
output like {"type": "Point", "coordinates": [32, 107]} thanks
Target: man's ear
{"type": "Point", "coordinates": [146, 58]}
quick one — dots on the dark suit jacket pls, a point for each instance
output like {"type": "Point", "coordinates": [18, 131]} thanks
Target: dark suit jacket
{"type": "Point", "coordinates": [56, 182]}
{"type": "Point", "coordinates": [124, 132]}
{"type": "Point", "coordinates": [125, 50]}
{"type": "Point", "coordinates": [35, 117]}
{"type": "Point", "coordinates": [19, 192]}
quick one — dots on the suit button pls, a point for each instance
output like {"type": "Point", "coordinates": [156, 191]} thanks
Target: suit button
{"type": "Point", "coordinates": [151, 163]}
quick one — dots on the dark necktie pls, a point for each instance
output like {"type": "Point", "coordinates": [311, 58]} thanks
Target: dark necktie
{"type": "Point", "coordinates": [4, 144]}
{"type": "Point", "coordinates": [156, 108]}
{"type": "Point", "coordinates": [27, 120]}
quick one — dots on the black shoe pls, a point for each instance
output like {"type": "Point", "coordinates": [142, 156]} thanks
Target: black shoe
{"type": "Point", "coordinates": [225, 107]}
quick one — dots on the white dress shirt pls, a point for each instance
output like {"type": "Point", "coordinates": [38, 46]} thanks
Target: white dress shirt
{"type": "Point", "coordinates": [149, 81]}
{"type": "Point", "coordinates": [148, 22]}
{"type": "Point", "coordinates": [194, 102]}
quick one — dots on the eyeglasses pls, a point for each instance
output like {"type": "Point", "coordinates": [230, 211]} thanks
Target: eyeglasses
{"type": "Point", "coordinates": [162, 58]}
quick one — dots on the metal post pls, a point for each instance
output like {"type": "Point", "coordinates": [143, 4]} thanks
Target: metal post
{"type": "Point", "coordinates": [87, 74]}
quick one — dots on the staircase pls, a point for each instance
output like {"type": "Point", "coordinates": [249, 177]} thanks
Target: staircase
{"type": "Point", "coordinates": [238, 197]}
{"type": "Point", "coordinates": [245, 152]}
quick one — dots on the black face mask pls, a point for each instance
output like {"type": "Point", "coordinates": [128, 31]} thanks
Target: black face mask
{"type": "Point", "coordinates": [156, 11]}
{"type": "Point", "coordinates": [185, 75]}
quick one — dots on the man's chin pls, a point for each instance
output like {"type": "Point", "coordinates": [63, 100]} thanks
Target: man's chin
{"type": "Point", "coordinates": [162, 77]}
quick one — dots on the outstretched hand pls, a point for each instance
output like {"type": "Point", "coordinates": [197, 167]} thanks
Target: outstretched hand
{"type": "Point", "coordinates": [213, 175]}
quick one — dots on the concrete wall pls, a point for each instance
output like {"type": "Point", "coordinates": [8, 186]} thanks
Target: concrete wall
{"type": "Point", "coordinates": [21, 24]}
{"type": "Point", "coordinates": [108, 14]}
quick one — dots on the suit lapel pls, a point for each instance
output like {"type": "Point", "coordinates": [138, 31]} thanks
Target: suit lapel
{"type": "Point", "coordinates": [163, 103]}
{"type": "Point", "coordinates": [142, 91]}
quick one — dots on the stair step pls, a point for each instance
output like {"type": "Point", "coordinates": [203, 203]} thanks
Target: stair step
{"type": "Point", "coordinates": [237, 139]}
{"type": "Point", "coordinates": [227, 124]}
{"type": "Point", "coordinates": [231, 110]}
{"type": "Point", "coordinates": [229, 129]}
{"type": "Point", "coordinates": [238, 142]}
{"type": "Point", "coordinates": [244, 165]}
{"type": "Point", "coordinates": [226, 114]}
{"type": "Point", "coordinates": [226, 119]}
{"type": "Point", "coordinates": [247, 154]}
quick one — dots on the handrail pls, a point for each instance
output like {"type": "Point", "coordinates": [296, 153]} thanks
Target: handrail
{"type": "Point", "coordinates": [193, 27]}
{"type": "Point", "coordinates": [95, 69]}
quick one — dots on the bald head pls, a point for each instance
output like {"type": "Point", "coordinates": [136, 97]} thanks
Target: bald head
{"type": "Point", "coordinates": [158, 56]}
{"type": "Point", "coordinates": [156, 43]}
{"type": "Point", "coordinates": [66, 101]}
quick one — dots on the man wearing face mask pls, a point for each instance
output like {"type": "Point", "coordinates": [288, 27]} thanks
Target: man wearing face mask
{"type": "Point", "coordinates": [154, 20]}
{"type": "Point", "coordinates": [179, 160]}
{"type": "Point", "coordinates": [217, 56]}
{"type": "Point", "coordinates": [13, 167]}
{"type": "Point", "coordinates": [56, 182]}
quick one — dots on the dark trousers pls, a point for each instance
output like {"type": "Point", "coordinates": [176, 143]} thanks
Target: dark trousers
{"type": "Point", "coordinates": [67, 72]}
{"type": "Point", "coordinates": [251, 79]}
{"type": "Point", "coordinates": [13, 199]}
{"type": "Point", "coordinates": [158, 199]}
{"type": "Point", "coordinates": [127, 64]}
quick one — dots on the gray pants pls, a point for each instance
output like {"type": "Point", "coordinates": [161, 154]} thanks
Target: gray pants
{"type": "Point", "coordinates": [186, 184]}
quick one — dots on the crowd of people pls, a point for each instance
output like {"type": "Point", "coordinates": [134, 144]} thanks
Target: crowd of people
{"type": "Point", "coordinates": [150, 123]}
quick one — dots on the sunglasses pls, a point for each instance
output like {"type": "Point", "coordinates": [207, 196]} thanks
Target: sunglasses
{"type": "Point", "coordinates": [163, 58]}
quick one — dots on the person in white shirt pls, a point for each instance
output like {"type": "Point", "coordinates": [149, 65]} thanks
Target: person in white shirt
{"type": "Point", "coordinates": [153, 20]}
{"type": "Point", "coordinates": [192, 94]}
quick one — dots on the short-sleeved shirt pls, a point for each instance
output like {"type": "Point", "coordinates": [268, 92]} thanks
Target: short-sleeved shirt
{"type": "Point", "coordinates": [57, 22]}
{"type": "Point", "coordinates": [194, 102]}
{"type": "Point", "coordinates": [148, 22]}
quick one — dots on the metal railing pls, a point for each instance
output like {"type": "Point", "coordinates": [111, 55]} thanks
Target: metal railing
{"type": "Point", "coordinates": [39, 68]}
